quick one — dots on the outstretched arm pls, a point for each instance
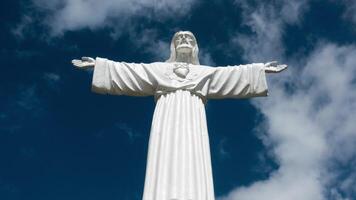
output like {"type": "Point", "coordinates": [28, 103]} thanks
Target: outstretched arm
{"type": "Point", "coordinates": [242, 81]}
{"type": "Point", "coordinates": [120, 78]}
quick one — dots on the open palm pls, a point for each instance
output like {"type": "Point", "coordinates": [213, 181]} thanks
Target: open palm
{"type": "Point", "coordinates": [85, 62]}
{"type": "Point", "coordinates": [274, 67]}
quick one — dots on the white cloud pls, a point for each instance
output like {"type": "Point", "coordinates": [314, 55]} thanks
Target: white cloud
{"type": "Point", "coordinates": [310, 113]}
{"type": "Point", "coordinates": [116, 16]}
{"type": "Point", "coordinates": [312, 130]}
{"type": "Point", "coordinates": [70, 15]}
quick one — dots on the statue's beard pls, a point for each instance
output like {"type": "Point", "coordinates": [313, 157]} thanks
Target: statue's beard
{"type": "Point", "coordinates": [184, 56]}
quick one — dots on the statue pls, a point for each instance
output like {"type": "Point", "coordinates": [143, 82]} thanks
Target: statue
{"type": "Point", "coordinates": [178, 163]}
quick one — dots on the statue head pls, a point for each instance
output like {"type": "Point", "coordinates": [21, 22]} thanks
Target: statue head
{"type": "Point", "coordinates": [184, 42]}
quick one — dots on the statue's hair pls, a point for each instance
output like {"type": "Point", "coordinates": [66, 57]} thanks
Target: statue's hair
{"type": "Point", "coordinates": [195, 52]}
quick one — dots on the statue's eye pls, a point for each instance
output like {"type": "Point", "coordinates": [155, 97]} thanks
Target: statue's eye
{"type": "Point", "coordinates": [191, 40]}
{"type": "Point", "coordinates": [178, 40]}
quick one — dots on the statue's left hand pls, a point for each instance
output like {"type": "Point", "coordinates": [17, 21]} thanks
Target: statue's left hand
{"type": "Point", "coordinates": [274, 67]}
{"type": "Point", "coordinates": [84, 63]}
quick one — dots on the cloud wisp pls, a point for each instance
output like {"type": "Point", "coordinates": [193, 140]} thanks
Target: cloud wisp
{"type": "Point", "coordinates": [350, 13]}
{"type": "Point", "coordinates": [266, 22]}
{"type": "Point", "coordinates": [117, 17]}
{"type": "Point", "coordinates": [61, 16]}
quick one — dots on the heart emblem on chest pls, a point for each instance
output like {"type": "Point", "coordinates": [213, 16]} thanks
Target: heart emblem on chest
{"type": "Point", "coordinates": [181, 70]}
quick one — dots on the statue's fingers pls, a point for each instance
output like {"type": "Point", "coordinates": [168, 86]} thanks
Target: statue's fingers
{"type": "Point", "coordinates": [75, 63]}
{"type": "Point", "coordinates": [282, 67]}
{"type": "Point", "coordinates": [81, 65]}
{"type": "Point", "coordinates": [78, 63]}
{"type": "Point", "coordinates": [272, 63]}
{"type": "Point", "coordinates": [76, 60]}
{"type": "Point", "coordinates": [88, 59]}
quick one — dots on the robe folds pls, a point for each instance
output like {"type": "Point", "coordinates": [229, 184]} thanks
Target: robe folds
{"type": "Point", "coordinates": [179, 163]}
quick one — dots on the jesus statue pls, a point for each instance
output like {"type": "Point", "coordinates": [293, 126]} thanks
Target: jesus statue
{"type": "Point", "coordinates": [178, 163]}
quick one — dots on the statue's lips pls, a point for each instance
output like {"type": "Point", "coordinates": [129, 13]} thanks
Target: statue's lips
{"type": "Point", "coordinates": [184, 46]}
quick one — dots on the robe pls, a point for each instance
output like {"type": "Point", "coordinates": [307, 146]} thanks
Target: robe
{"type": "Point", "coordinates": [178, 163]}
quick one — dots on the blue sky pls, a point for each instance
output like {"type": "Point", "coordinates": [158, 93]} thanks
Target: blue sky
{"type": "Point", "coordinates": [58, 140]}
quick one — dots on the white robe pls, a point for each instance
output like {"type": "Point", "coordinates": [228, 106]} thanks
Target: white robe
{"type": "Point", "coordinates": [178, 163]}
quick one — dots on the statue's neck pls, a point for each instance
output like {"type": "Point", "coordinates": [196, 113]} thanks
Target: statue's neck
{"type": "Point", "coordinates": [184, 57]}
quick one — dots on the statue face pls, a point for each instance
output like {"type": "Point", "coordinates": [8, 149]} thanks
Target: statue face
{"type": "Point", "coordinates": [184, 42]}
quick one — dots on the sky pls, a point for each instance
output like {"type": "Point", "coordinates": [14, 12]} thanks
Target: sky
{"type": "Point", "coordinates": [58, 140]}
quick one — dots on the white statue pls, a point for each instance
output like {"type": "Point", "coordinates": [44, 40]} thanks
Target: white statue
{"type": "Point", "coordinates": [178, 164]}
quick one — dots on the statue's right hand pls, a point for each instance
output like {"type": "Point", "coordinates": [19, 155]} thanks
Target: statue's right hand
{"type": "Point", "coordinates": [84, 63]}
